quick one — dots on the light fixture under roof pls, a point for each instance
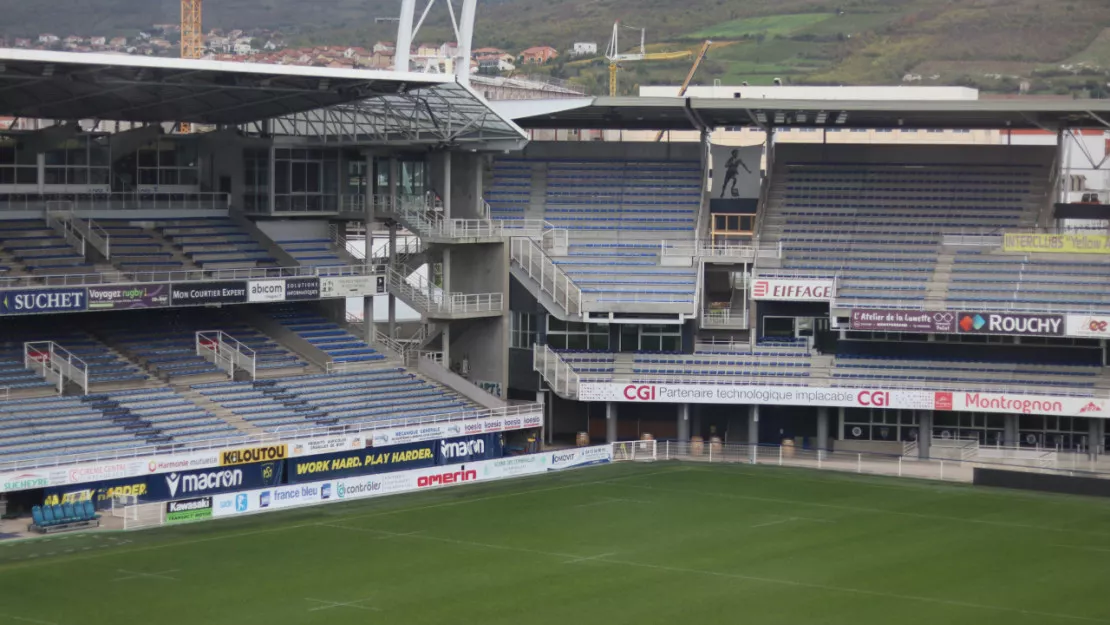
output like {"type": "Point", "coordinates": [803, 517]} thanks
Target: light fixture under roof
{"type": "Point", "coordinates": [800, 118]}
{"type": "Point", "coordinates": [780, 117]}
{"type": "Point", "coordinates": [822, 117]}
{"type": "Point", "coordinates": [842, 117]}
{"type": "Point", "coordinates": [761, 117]}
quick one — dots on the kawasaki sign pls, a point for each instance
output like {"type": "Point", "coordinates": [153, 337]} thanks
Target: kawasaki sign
{"type": "Point", "coordinates": [188, 510]}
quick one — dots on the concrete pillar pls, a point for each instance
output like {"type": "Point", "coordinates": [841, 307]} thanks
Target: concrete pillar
{"type": "Point", "coordinates": [753, 431]}
{"type": "Point", "coordinates": [1010, 431]}
{"type": "Point", "coordinates": [394, 181]}
{"type": "Point", "coordinates": [392, 258]}
{"type": "Point", "coordinates": [446, 270]}
{"type": "Point", "coordinates": [840, 423]}
{"type": "Point", "coordinates": [446, 339]}
{"type": "Point", "coordinates": [1094, 437]}
{"type": "Point", "coordinates": [823, 428]}
{"type": "Point", "coordinates": [367, 318]}
{"type": "Point", "coordinates": [445, 192]}
{"type": "Point", "coordinates": [610, 422]}
{"type": "Point", "coordinates": [684, 422]}
{"type": "Point", "coordinates": [548, 416]}
{"type": "Point", "coordinates": [924, 433]}
{"type": "Point", "coordinates": [697, 421]}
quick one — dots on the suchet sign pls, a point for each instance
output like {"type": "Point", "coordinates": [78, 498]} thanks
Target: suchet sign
{"type": "Point", "coordinates": [30, 301]}
{"type": "Point", "coordinates": [1011, 323]}
{"type": "Point", "coordinates": [129, 296]}
{"type": "Point", "coordinates": [199, 293]}
{"type": "Point", "coordinates": [939, 322]}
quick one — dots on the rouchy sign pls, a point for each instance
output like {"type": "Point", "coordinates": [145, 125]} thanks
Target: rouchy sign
{"type": "Point", "coordinates": [1010, 323]}
{"type": "Point", "coordinates": [847, 397]}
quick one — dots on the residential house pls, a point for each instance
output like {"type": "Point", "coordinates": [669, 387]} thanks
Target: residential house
{"type": "Point", "coordinates": [426, 50]}
{"type": "Point", "coordinates": [22, 43]}
{"type": "Point", "coordinates": [98, 41]}
{"type": "Point", "coordinates": [48, 38]}
{"type": "Point", "coordinates": [496, 63]}
{"type": "Point", "coordinates": [242, 48]}
{"type": "Point", "coordinates": [384, 47]}
{"type": "Point", "coordinates": [270, 45]}
{"type": "Point", "coordinates": [117, 42]}
{"type": "Point", "coordinates": [449, 50]}
{"type": "Point", "coordinates": [584, 48]}
{"type": "Point", "coordinates": [538, 55]}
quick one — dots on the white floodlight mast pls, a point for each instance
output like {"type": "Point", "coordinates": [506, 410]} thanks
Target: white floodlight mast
{"type": "Point", "coordinates": [464, 35]}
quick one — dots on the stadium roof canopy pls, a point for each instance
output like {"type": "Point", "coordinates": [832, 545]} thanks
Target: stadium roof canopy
{"type": "Point", "coordinates": [653, 113]}
{"type": "Point", "coordinates": [71, 86]}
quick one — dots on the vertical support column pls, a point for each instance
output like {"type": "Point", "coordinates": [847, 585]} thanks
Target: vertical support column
{"type": "Point", "coordinates": [610, 422]}
{"type": "Point", "coordinates": [823, 428]}
{"type": "Point", "coordinates": [446, 270]}
{"type": "Point", "coordinates": [753, 432]}
{"type": "Point", "coordinates": [684, 422]}
{"type": "Point", "coordinates": [1094, 437]}
{"type": "Point", "coordinates": [271, 188]}
{"type": "Point", "coordinates": [840, 423]}
{"type": "Point", "coordinates": [392, 260]}
{"type": "Point", "coordinates": [446, 339]}
{"type": "Point", "coordinates": [1010, 431]}
{"type": "Point", "coordinates": [466, 37]}
{"type": "Point", "coordinates": [445, 192]}
{"type": "Point", "coordinates": [404, 36]}
{"type": "Point", "coordinates": [924, 433]}
{"type": "Point", "coordinates": [548, 415]}
{"type": "Point", "coordinates": [697, 420]}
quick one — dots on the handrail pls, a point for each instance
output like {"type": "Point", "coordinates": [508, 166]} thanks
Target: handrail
{"type": "Point", "coordinates": [708, 249]}
{"type": "Point", "coordinates": [552, 279]}
{"type": "Point", "coordinates": [558, 374]}
{"type": "Point", "coordinates": [190, 275]}
{"type": "Point", "coordinates": [62, 223]}
{"type": "Point", "coordinates": [725, 318]}
{"type": "Point", "coordinates": [56, 363]}
{"type": "Point", "coordinates": [226, 352]}
{"type": "Point", "coordinates": [277, 436]}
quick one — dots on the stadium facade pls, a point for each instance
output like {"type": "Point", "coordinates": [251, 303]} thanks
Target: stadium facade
{"type": "Point", "coordinates": [168, 293]}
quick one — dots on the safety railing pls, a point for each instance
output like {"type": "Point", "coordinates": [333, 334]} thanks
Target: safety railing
{"type": "Point", "coordinates": [5, 393]}
{"type": "Point", "coordinates": [226, 352]}
{"type": "Point", "coordinates": [790, 455]}
{"type": "Point", "coordinates": [466, 303]}
{"type": "Point", "coordinates": [555, 240]}
{"type": "Point", "coordinates": [96, 236]}
{"type": "Point", "coordinates": [1078, 308]}
{"type": "Point", "coordinates": [417, 290]}
{"type": "Point", "coordinates": [141, 201]}
{"type": "Point", "coordinates": [725, 318]}
{"type": "Point", "coordinates": [61, 223]}
{"type": "Point", "coordinates": [972, 240]}
{"type": "Point", "coordinates": [708, 249]}
{"type": "Point", "coordinates": [56, 364]}
{"type": "Point", "coordinates": [413, 357]}
{"type": "Point", "coordinates": [558, 374]}
{"type": "Point", "coordinates": [551, 279]}
{"type": "Point", "coordinates": [289, 434]}
{"type": "Point", "coordinates": [191, 275]}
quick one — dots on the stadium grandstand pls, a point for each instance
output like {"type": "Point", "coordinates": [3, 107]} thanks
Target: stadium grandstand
{"type": "Point", "coordinates": [166, 291]}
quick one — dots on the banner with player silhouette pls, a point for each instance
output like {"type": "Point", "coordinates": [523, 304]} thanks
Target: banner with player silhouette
{"type": "Point", "coordinates": [736, 178]}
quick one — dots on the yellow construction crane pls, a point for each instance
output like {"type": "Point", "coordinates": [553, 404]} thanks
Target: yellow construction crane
{"type": "Point", "coordinates": [192, 38]}
{"type": "Point", "coordinates": [615, 57]}
{"type": "Point", "coordinates": [690, 75]}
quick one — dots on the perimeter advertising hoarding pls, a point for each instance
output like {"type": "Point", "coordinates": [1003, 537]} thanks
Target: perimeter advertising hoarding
{"type": "Point", "coordinates": [958, 401]}
{"type": "Point", "coordinates": [297, 289]}
{"type": "Point", "coordinates": [1017, 324]}
{"type": "Point", "coordinates": [884, 320]}
{"type": "Point", "coordinates": [792, 290]}
{"type": "Point", "coordinates": [1091, 326]}
{"type": "Point", "coordinates": [186, 510]}
{"type": "Point", "coordinates": [343, 489]}
{"type": "Point", "coordinates": [351, 286]}
{"type": "Point", "coordinates": [89, 472]}
{"type": "Point", "coordinates": [32, 301]}
{"type": "Point", "coordinates": [266, 291]}
{"type": "Point", "coordinates": [168, 486]}
{"type": "Point", "coordinates": [129, 296]}
{"type": "Point", "coordinates": [395, 458]}
{"type": "Point", "coordinates": [202, 293]}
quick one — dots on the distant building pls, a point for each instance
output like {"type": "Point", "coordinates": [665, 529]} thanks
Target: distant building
{"type": "Point", "coordinates": [48, 38]}
{"type": "Point", "coordinates": [384, 47]}
{"type": "Point", "coordinates": [242, 48]}
{"type": "Point", "coordinates": [117, 42]}
{"type": "Point", "coordinates": [538, 55]}
{"type": "Point", "coordinates": [22, 43]}
{"type": "Point", "coordinates": [98, 41]}
{"type": "Point", "coordinates": [584, 48]}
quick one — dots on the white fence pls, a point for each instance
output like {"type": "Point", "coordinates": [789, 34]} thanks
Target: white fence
{"type": "Point", "coordinates": [193, 275]}
{"type": "Point", "coordinates": [141, 201]}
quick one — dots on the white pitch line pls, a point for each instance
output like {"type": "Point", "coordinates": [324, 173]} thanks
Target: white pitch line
{"type": "Point", "coordinates": [589, 558]}
{"type": "Point", "coordinates": [763, 580]}
{"type": "Point", "coordinates": [139, 575]}
{"type": "Point", "coordinates": [770, 523]}
{"type": "Point", "coordinates": [1084, 548]}
{"type": "Point", "coordinates": [24, 619]}
{"type": "Point", "coordinates": [329, 605]}
{"type": "Point", "coordinates": [610, 500]}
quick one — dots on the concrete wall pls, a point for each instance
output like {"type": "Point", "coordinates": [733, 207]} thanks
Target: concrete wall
{"type": "Point", "coordinates": [221, 154]}
{"type": "Point", "coordinates": [485, 344]}
{"type": "Point", "coordinates": [883, 154]}
{"type": "Point", "coordinates": [663, 151]}
{"type": "Point", "coordinates": [294, 229]}
{"type": "Point", "coordinates": [466, 186]}
{"type": "Point", "coordinates": [477, 268]}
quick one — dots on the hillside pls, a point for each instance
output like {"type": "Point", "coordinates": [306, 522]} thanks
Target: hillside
{"type": "Point", "coordinates": [1056, 46]}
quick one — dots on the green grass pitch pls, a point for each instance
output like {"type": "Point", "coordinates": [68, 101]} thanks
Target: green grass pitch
{"type": "Point", "coordinates": [626, 543]}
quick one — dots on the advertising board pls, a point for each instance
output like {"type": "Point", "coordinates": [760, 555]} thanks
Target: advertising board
{"type": "Point", "coordinates": [884, 320]}
{"type": "Point", "coordinates": [792, 290]}
{"type": "Point", "coordinates": [1018, 324]}
{"type": "Point", "coordinates": [266, 291]}
{"type": "Point", "coordinates": [186, 510]}
{"type": "Point", "coordinates": [129, 296]}
{"type": "Point", "coordinates": [397, 436]}
{"type": "Point", "coordinates": [1093, 326]}
{"type": "Point", "coordinates": [297, 289]}
{"type": "Point", "coordinates": [1057, 243]}
{"type": "Point", "coordinates": [246, 455]}
{"type": "Point", "coordinates": [202, 293]}
{"type": "Point", "coordinates": [351, 286]}
{"type": "Point", "coordinates": [363, 462]}
{"type": "Point", "coordinates": [347, 489]}
{"type": "Point", "coordinates": [31, 301]}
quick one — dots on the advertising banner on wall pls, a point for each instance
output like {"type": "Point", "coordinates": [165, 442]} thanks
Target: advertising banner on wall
{"type": "Point", "coordinates": [1057, 243]}
{"type": "Point", "coordinates": [129, 296]}
{"type": "Point", "coordinates": [1018, 324]}
{"type": "Point", "coordinates": [791, 290]}
{"type": "Point", "coordinates": [884, 320]}
{"type": "Point", "coordinates": [32, 301]}
{"type": "Point", "coordinates": [468, 449]}
{"type": "Point", "coordinates": [363, 462]}
{"type": "Point", "coordinates": [201, 293]}
{"type": "Point", "coordinates": [959, 401]}
{"type": "Point", "coordinates": [266, 291]}
{"type": "Point", "coordinates": [186, 510]}
{"type": "Point", "coordinates": [352, 286]}
{"type": "Point", "coordinates": [1091, 326]}
{"type": "Point", "coordinates": [297, 289]}
{"type": "Point", "coordinates": [346, 489]}
{"type": "Point", "coordinates": [432, 431]}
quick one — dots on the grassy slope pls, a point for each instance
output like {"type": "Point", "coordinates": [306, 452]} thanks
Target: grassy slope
{"type": "Point", "coordinates": [682, 544]}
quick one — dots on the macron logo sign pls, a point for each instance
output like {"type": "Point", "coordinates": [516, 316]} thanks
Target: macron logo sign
{"type": "Point", "coordinates": [790, 290]}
